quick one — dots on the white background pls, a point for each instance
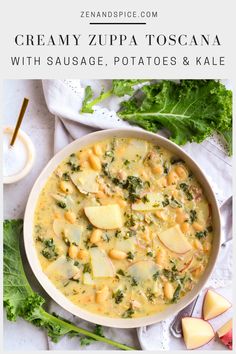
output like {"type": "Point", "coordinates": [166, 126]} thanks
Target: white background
{"type": "Point", "coordinates": [175, 16]}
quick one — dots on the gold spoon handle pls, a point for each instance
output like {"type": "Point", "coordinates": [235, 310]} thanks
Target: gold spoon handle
{"type": "Point", "coordinates": [19, 120]}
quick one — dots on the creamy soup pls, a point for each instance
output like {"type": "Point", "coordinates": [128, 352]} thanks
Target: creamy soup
{"type": "Point", "coordinates": [122, 228]}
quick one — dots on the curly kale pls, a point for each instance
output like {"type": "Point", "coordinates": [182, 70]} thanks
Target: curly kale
{"type": "Point", "coordinates": [191, 110]}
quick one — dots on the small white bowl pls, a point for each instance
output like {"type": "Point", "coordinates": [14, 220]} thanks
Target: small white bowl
{"type": "Point", "coordinates": [30, 158]}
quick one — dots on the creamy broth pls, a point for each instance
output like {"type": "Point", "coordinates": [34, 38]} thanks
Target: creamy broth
{"type": "Point", "coordinates": [122, 228]}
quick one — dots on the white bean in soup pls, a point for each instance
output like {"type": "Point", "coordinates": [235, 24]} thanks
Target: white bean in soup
{"type": "Point", "coordinates": [123, 229]}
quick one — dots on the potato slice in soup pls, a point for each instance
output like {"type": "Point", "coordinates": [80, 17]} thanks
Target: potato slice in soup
{"type": "Point", "coordinates": [61, 269]}
{"type": "Point", "coordinates": [102, 266]}
{"type": "Point", "coordinates": [127, 245]}
{"type": "Point", "coordinates": [105, 217]}
{"type": "Point", "coordinates": [143, 270]}
{"type": "Point", "coordinates": [86, 181]}
{"type": "Point", "coordinates": [87, 279]}
{"type": "Point", "coordinates": [174, 240]}
{"type": "Point", "coordinates": [70, 231]}
{"type": "Point", "coordinates": [136, 149]}
{"type": "Point", "coordinates": [203, 212]}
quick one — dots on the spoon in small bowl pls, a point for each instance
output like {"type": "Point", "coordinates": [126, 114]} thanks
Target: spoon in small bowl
{"type": "Point", "coordinates": [19, 120]}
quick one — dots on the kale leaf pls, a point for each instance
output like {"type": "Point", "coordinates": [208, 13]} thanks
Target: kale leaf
{"type": "Point", "coordinates": [191, 110]}
{"type": "Point", "coordinates": [119, 88]}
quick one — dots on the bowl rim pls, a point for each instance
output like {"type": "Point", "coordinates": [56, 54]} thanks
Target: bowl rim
{"type": "Point", "coordinates": [30, 249]}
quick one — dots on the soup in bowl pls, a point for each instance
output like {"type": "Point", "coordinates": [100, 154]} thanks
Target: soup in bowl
{"type": "Point", "coordinates": [125, 228]}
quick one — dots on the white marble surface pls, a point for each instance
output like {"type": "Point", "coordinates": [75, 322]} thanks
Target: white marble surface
{"type": "Point", "coordinates": [39, 125]}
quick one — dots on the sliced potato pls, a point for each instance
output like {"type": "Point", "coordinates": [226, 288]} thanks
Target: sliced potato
{"type": "Point", "coordinates": [105, 217]}
{"type": "Point", "coordinates": [143, 270]}
{"type": "Point", "coordinates": [214, 304]}
{"type": "Point", "coordinates": [127, 245]}
{"type": "Point", "coordinates": [86, 181]}
{"type": "Point", "coordinates": [87, 279]}
{"type": "Point", "coordinates": [61, 269]}
{"type": "Point", "coordinates": [102, 266]}
{"type": "Point", "coordinates": [136, 150]}
{"type": "Point", "coordinates": [203, 212]}
{"type": "Point", "coordinates": [174, 240]}
{"type": "Point", "coordinates": [71, 231]}
{"type": "Point", "coordinates": [58, 227]}
{"type": "Point", "coordinates": [196, 332]}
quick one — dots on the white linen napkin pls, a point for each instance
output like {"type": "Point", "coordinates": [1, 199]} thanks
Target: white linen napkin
{"type": "Point", "coordinates": [64, 99]}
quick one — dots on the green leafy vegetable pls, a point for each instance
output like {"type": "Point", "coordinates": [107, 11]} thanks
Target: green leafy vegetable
{"type": "Point", "coordinates": [149, 254]}
{"type": "Point", "coordinates": [156, 275]}
{"type": "Point", "coordinates": [118, 296]}
{"type": "Point", "coordinates": [133, 281]}
{"type": "Point", "coordinates": [201, 234]}
{"type": "Point", "coordinates": [145, 199]}
{"type": "Point", "coordinates": [74, 167]}
{"type": "Point", "coordinates": [150, 295]}
{"type": "Point", "coordinates": [126, 162]}
{"type": "Point", "coordinates": [133, 185]}
{"type": "Point", "coordinates": [128, 313]}
{"type": "Point", "coordinates": [175, 203]}
{"type": "Point", "coordinates": [176, 293]}
{"type": "Point", "coordinates": [228, 136]}
{"type": "Point", "coordinates": [171, 275]}
{"type": "Point", "coordinates": [166, 167]}
{"type": "Point", "coordinates": [119, 88]}
{"type": "Point", "coordinates": [87, 340]}
{"type": "Point", "coordinates": [49, 250]}
{"type": "Point", "coordinates": [192, 216]}
{"type": "Point", "coordinates": [191, 110]}
{"type": "Point", "coordinates": [130, 220]}
{"type": "Point", "coordinates": [165, 201]}
{"type": "Point", "coordinates": [130, 255]}
{"type": "Point", "coordinates": [88, 95]}
{"type": "Point", "coordinates": [20, 300]}
{"type": "Point", "coordinates": [61, 205]}
{"type": "Point", "coordinates": [66, 176]}
{"type": "Point", "coordinates": [186, 190]}
{"type": "Point", "coordinates": [120, 272]}
{"type": "Point", "coordinates": [87, 268]}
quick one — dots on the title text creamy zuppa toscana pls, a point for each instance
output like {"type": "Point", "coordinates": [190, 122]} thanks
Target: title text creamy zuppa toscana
{"type": "Point", "coordinates": [122, 228]}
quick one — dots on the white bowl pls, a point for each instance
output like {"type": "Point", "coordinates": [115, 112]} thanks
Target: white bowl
{"type": "Point", "coordinates": [30, 158]}
{"type": "Point", "coordinates": [29, 219]}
